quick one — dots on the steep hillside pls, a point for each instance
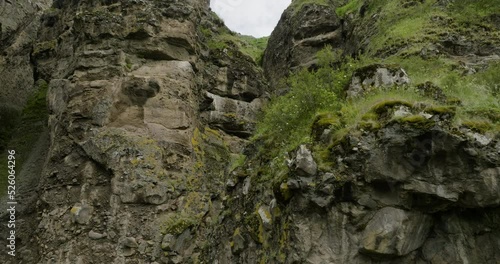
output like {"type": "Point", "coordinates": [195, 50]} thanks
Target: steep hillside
{"type": "Point", "coordinates": [381, 144]}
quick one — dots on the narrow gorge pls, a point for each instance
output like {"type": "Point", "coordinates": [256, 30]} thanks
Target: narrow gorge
{"type": "Point", "coordinates": [146, 131]}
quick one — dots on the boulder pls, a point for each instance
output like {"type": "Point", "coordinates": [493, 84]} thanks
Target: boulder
{"type": "Point", "coordinates": [395, 232]}
{"type": "Point", "coordinates": [303, 163]}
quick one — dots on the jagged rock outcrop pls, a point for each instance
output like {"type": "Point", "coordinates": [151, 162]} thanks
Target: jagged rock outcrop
{"type": "Point", "coordinates": [299, 35]}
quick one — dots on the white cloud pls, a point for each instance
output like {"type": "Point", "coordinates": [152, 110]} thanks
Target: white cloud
{"type": "Point", "coordinates": [250, 17]}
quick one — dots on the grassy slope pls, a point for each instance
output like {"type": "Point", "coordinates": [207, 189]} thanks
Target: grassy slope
{"type": "Point", "coordinates": [222, 37]}
{"type": "Point", "coordinates": [400, 34]}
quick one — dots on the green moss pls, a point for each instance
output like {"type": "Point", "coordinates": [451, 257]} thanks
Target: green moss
{"type": "Point", "coordinates": [128, 63]}
{"type": "Point", "coordinates": [324, 121]}
{"type": "Point", "coordinates": [175, 224]}
{"type": "Point", "coordinates": [413, 119]}
{"type": "Point", "coordinates": [254, 227]}
{"type": "Point", "coordinates": [323, 157]}
{"type": "Point", "coordinates": [369, 125]}
{"type": "Point", "coordinates": [382, 107]}
{"type": "Point", "coordinates": [36, 107]}
{"type": "Point", "coordinates": [285, 192]}
{"type": "Point", "coordinates": [370, 116]}
{"type": "Point", "coordinates": [441, 110]}
{"type": "Point", "coordinates": [212, 158]}
{"type": "Point", "coordinates": [237, 161]}
{"type": "Point", "coordinates": [480, 126]}
{"type": "Point", "coordinates": [45, 46]}
{"type": "Point", "coordinates": [417, 121]}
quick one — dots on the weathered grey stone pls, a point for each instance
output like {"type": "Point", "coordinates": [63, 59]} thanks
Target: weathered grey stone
{"type": "Point", "coordinates": [395, 232]}
{"type": "Point", "coordinates": [322, 201]}
{"type": "Point", "coordinates": [168, 242]}
{"type": "Point", "coordinates": [304, 163]}
{"type": "Point", "coordinates": [293, 184]}
{"type": "Point", "coordinates": [375, 76]}
{"type": "Point", "coordinates": [247, 183]}
{"type": "Point", "coordinates": [230, 183]}
{"type": "Point", "coordinates": [95, 235]}
{"type": "Point", "coordinates": [130, 242]}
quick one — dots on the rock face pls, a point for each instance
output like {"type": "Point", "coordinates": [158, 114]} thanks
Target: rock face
{"type": "Point", "coordinates": [147, 158]}
{"type": "Point", "coordinates": [300, 34]}
{"type": "Point", "coordinates": [407, 188]}
{"type": "Point", "coordinates": [402, 194]}
{"type": "Point", "coordinates": [18, 33]}
{"type": "Point", "coordinates": [396, 232]}
{"type": "Point", "coordinates": [141, 130]}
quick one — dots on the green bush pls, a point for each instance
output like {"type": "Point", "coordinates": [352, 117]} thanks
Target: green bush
{"type": "Point", "coordinates": [287, 120]}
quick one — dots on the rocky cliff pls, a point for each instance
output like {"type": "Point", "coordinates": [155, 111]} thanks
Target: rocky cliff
{"type": "Point", "coordinates": [145, 134]}
{"type": "Point", "coordinates": [143, 117]}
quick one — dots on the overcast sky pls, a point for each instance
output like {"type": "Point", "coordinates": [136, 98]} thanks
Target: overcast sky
{"type": "Point", "coordinates": [250, 17]}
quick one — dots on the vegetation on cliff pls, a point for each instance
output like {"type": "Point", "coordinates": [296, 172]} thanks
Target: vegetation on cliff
{"type": "Point", "coordinates": [220, 38]}
{"type": "Point", "coordinates": [403, 37]}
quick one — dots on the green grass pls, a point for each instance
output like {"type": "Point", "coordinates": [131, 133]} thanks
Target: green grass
{"type": "Point", "coordinates": [219, 38]}
{"type": "Point", "coordinates": [369, 107]}
{"type": "Point", "coordinates": [349, 7]}
{"type": "Point", "coordinates": [253, 47]}
{"type": "Point", "coordinates": [224, 39]}
{"type": "Point", "coordinates": [315, 102]}
{"type": "Point", "coordinates": [404, 28]}
{"type": "Point", "coordinates": [297, 5]}
{"type": "Point", "coordinates": [466, 11]}
{"type": "Point", "coordinates": [478, 93]}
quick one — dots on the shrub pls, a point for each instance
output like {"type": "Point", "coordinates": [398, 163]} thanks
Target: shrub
{"type": "Point", "coordinates": [287, 120]}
